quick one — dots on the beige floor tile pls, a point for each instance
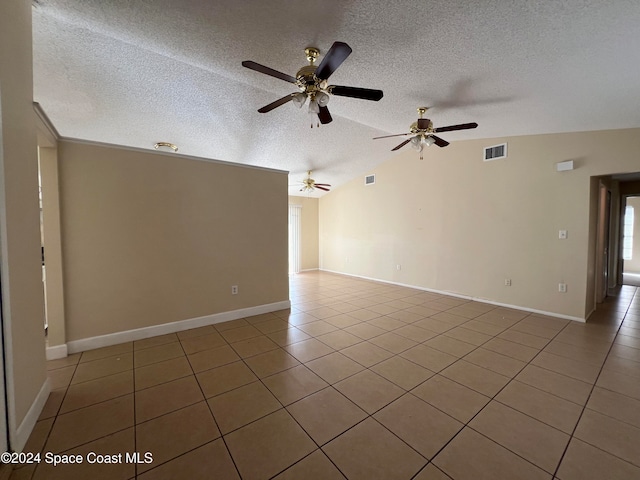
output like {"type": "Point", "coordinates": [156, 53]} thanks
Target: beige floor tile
{"type": "Point", "coordinates": [477, 378]}
{"type": "Point", "coordinates": [576, 353]}
{"type": "Point", "coordinates": [176, 433]}
{"type": "Point", "coordinates": [162, 372]}
{"type": "Point", "coordinates": [167, 397]}
{"type": "Point", "coordinates": [210, 461]}
{"type": "Point", "coordinates": [524, 339]}
{"type": "Point", "coordinates": [90, 423]}
{"type": "Point", "coordinates": [365, 331]}
{"type": "Point", "coordinates": [288, 336]}
{"type": "Point", "coordinates": [245, 404]}
{"type": "Point", "coordinates": [212, 358]}
{"type": "Point", "coordinates": [537, 330]}
{"type": "Point", "coordinates": [511, 349]}
{"type": "Point", "coordinates": [495, 362]}
{"type": "Point", "coordinates": [402, 372]}
{"type": "Point", "coordinates": [541, 444]}
{"type": "Point", "coordinates": [64, 362]}
{"type": "Point", "coordinates": [233, 335]}
{"type": "Point", "coordinates": [271, 362]}
{"type": "Point", "coordinates": [38, 436]}
{"type": "Point", "coordinates": [222, 326]}
{"type": "Point", "coordinates": [428, 357]}
{"type": "Point", "coordinates": [61, 377]}
{"type": "Point", "coordinates": [260, 318]}
{"type": "Point", "coordinates": [334, 367]}
{"type": "Point", "coordinates": [431, 472]}
{"type": "Point", "coordinates": [101, 368]}
{"type": "Point", "coordinates": [104, 352]}
{"type": "Point", "coordinates": [555, 383]}
{"type": "Point", "coordinates": [269, 446]}
{"type": "Point", "coordinates": [366, 353]}
{"type": "Point", "coordinates": [326, 414]}
{"type": "Point", "coordinates": [339, 339]}
{"type": "Point", "coordinates": [323, 312]}
{"type": "Point", "coordinates": [300, 318]}
{"type": "Point", "coordinates": [272, 325]}
{"type": "Point", "coordinates": [612, 404]}
{"type": "Point", "coordinates": [550, 409]}
{"type": "Point", "coordinates": [455, 399]}
{"type": "Point", "coordinates": [415, 333]}
{"type": "Point", "coordinates": [393, 343]}
{"type": "Point", "coordinates": [465, 458]}
{"type": "Point", "coordinates": [409, 418]}
{"type": "Point", "coordinates": [343, 320]}
{"type": "Point", "coordinates": [450, 345]}
{"type": "Point", "coordinates": [450, 318]}
{"type": "Point", "coordinates": [312, 467]}
{"type": "Point", "coordinates": [155, 341]}
{"type": "Point", "coordinates": [222, 379]}
{"type": "Point", "coordinates": [96, 391]}
{"type": "Point", "coordinates": [382, 308]}
{"type": "Point", "coordinates": [386, 323]}
{"type": "Point", "coordinates": [626, 352]}
{"type": "Point", "coordinates": [156, 354]}
{"type": "Point", "coordinates": [196, 332]}
{"type": "Point", "coordinates": [363, 315]}
{"type": "Point", "coordinates": [370, 452]}
{"type": "Point", "coordinates": [111, 445]}
{"type": "Point", "coordinates": [611, 435]}
{"type": "Point", "coordinates": [202, 342]}
{"type": "Point", "coordinates": [624, 366]}
{"type": "Point", "coordinates": [434, 325]}
{"type": "Point", "coordinates": [619, 383]}
{"type": "Point", "coordinates": [318, 328]}
{"type": "Point", "coordinates": [294, 384]}
{"type": "Point", "coordinates": [405, 316]}
{"type": "Point", "coordinates": [254, 346]}
{"type": "Point", "coordinates": [468, 336]}
{"type": "Point", "coordinates": [566, 366]}
{"type": "Point", "coordinates": [369, 390]}
{"type": "Point", "coordinates": [52, 406]}
{"type": "Point", "coordinates": [308, 349]}
{"type": "Point", "coordinates": [585, 462]}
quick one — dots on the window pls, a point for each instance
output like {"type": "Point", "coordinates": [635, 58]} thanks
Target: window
{"type": "Point", "coordinates": [627, 234]}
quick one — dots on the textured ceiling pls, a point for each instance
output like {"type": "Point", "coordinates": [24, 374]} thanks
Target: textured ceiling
{"type": "Point", "coordinates": [137, 72]}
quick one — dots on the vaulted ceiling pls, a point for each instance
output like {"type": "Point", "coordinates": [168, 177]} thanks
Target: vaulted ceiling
{"type": "Point", "coordinates": [134, 73]}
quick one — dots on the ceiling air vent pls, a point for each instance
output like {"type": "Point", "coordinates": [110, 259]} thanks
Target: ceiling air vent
{"type": "Point", "coordinates": [369, 179]}
{"type": "Point", "coordinates": [495, 152]}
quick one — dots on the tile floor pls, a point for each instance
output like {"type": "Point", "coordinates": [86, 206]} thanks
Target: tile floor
{"type": "Point", "coordinates": [361, 380]}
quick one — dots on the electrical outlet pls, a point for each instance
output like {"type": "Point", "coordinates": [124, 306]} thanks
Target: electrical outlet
{"type": "Point", "coordinates": [398, 267]}
{"type": "Point", "coordinates": [507, 282]}
{"type": "Point", "coordinates": [562, 234]}
{"type": "Point", "coordinates": [562, 287]}
{"type": "Point", "coordinates": [234, 289]}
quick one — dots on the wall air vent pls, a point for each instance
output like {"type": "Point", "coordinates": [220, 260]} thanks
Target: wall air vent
{"type": "Point", "coordinates": [369, 179]}
{"type": "Point", "coordinates": [495, 152]}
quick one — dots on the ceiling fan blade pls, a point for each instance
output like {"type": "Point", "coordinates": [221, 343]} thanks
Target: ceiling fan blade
{"type": "Point", "coordinates": [337, 54]}
{"type": "Point", "coordinates": [268, 71]}
{"type": "Point", "coordinates": [276, 104]}
{"type": "Point", "coordinates": [321, 188]}
{"type": "Point", "coordinates": [355, 92]}
{"type": "Point", "coordinates": [322, 184]}
{"type": "Point", "coordinates": [389, 136]}
{"type": "Point", "coordinates": [423, 123]}
{"type": "Point", "coordinates": [439, 141]}
{"type": "Point", "coordinates": [401, 145]}
{"type": "Point", "coordinates": [324, 116]}
{"type": "Point", "coordinates": [450, 128]}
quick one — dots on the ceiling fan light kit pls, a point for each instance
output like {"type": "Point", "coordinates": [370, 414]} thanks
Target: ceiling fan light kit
{"type": "Point", "coordinates": [312, 82]}
{"type": "Point", "coordinates": [309, 184]}
{"type": "Point", "coordinates": [422, 132]}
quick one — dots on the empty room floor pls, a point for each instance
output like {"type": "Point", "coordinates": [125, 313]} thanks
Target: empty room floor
{"type": "Point", "coordinates": [359, 380]}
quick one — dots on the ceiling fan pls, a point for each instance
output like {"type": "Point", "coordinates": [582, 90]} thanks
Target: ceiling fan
{"type": "Point", "coordinates": [312, 82]}
{"type": "Point", "coordinates": [309, 184]}
{"type": "Point", "coordinates": [422, 133]}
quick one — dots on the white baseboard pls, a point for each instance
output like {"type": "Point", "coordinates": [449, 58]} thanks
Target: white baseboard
{"type": "Point", "coordinates": [30, 419]}
{"type": "Point", "coordinates": [466, 297]}
{"type": "Point", "coordinates": [58, 351]}
{"type": "Point", "coordinates": [172, 327]}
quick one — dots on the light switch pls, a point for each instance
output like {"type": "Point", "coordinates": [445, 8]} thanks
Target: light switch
{"type": "Point", "coordinates": [562, 234]}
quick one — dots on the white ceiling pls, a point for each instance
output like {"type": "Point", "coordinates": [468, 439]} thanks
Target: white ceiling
{"type": "Point", "coordinates": [137, 72]}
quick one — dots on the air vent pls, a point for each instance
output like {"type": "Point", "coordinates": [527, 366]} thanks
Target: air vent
{"type": "Point", "coordinates": [369, 179]}
{"type": "Point", "coordinates": [495, 152]}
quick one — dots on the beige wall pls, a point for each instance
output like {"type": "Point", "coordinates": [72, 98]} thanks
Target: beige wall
{"type": "Point", "coordinates": [457, 224]}
{"type": "Point", "coordinates": [22, 291]}
{"type": "Point", "coordinates": [633, 265]}
{"type": "Point", "coordinates": [309, 226]}
{"type": "Point", "coordinates": [152, 238]}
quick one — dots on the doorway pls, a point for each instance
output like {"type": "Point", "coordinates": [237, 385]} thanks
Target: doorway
{"type": "Point", "coordinates": [631, 241]}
